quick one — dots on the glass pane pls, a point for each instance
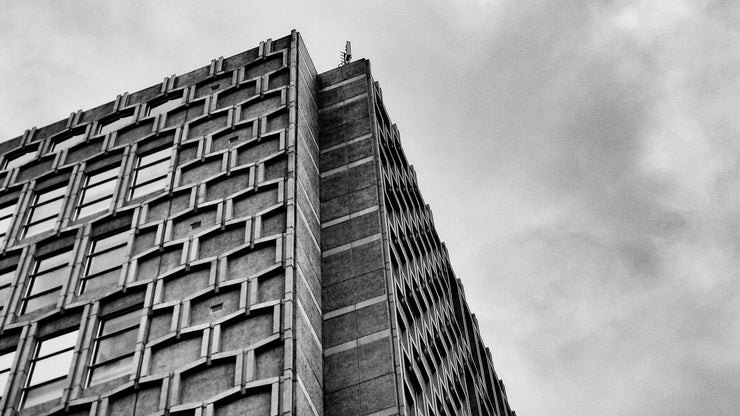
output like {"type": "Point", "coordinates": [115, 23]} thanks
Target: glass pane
{"type": "Point", "coordinates": [164, 107]}
{"type": "Point", "coordinates": [6, 277]}
{"type": "Point", "coordinates": [101, 176]}
{"type": "Point", "coordinates": [3, 381]}
{"type": "Point", "coordinates": [99, 206]}
{"type": "Point", "coordinates": [41, 301]}
{"type": "Point", "coordinates": [106, 280]}
{"type": "Point", "coordinates": [19, 160]}
{"type": "Point", "coordinates": [4, 296]}
{"type": "Point", "coordinates": [7, 210]}
{"type": "Point", "coordinates": [45, 393]}
{"type": "Point", "coordinates": [116, 345]}
{"type": "Point", "coordinates": [156, 170]}
{"type": "Point", "coordinates": [67, 143]}
{"type": "Point", "coordinates": [105, 261]}
{"type": "Point", "coordinates": [115, 124]}
{"type": "Point", "coordinates": [110, 371]}
{"type": "Point", "coordinates": [57, 343]}
{"type": "Point", "coordinates": [157, 186]}
{"type": "Point", "coordinates": [111, 241]}
{"type": "Point", "coordinates": [51, 262]}
{"type": "Point", "coordinates": [47, 210]}
{"type": "Point", "coordinates": [49, 368]}
{"type": "Point", "coordinates": [98, 191]}
{"type": "Point", "coordinates": [5, 225]}
{"type": "Point", "coordinates": [120, 322]}
{"type": "Point", "coordinates": [153, 157]}
{"type": "Point", "coordinates": [6, 360]}
{"type": "Point", "coordinates": [49, 195]}
{"type": "Point", "coordinates": [40, 227]}
{"type": "Point", "coordinates": [49, 280]}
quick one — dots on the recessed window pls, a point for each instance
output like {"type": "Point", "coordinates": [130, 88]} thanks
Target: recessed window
{"type": "Point", "coordinates": [49, 369]}
{"type": "Point", "coordinates": [215, 87]}
{"type": "Point", "coordinates": [43, 213]}
{"type": "Point", "coordinates": [195, 225]}
{"type": "Point", "coordinates": [6, 360]}
{"type": "Point", "coordinates": [107, 127]}
{"type": "Point", "coordinates": [19, 160]}
{"type": "Point", "coordinates": [6, 218]}
{"type": "Point", "coordinates": [115, 343]}
{"type": "Point", "coordinates": [150, 173]}
{"type": "Point", "coordinates": [97, 192]}
{"type": "Point", "coordinates": [66, 143]}
{"type": "Point", "coordinates": [164, 106]}
{"type": "Point", "coordinates": [217, 308]}
{"type": "Point", "coordinates": [46, 281]}
{"type": "Point", "coordinates": [6, 279]}
{"type": "Point", "coordinates": [104, 261]}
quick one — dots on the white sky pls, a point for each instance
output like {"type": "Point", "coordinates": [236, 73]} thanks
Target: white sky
{"type": "Point", "coordinates": [581, 158]}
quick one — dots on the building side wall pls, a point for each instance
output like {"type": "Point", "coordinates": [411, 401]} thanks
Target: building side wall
{"type": "Point", "coordinates": [444, 365]}
{"type": "Point", "coordinates": [309, 350]}
{"type": "Point", "coordinates": [244, 238]}
{"type": "Point", "coordinates": [203, 266]}
{"type": "Point", "coordinates": [359, 371]}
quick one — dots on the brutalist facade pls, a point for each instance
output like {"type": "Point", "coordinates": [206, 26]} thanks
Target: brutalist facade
{"type": "Point", "coordinates": [246, 238]}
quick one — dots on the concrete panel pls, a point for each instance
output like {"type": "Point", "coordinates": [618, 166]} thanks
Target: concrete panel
{"type": "Point", "coordinates": [246, 331]}
{"type": "Point", "coordinates": [171, 356]}
{"type": "Point", "coordinates": [255, 402]}
{"type": "Point", "coordinates": [207, 381]}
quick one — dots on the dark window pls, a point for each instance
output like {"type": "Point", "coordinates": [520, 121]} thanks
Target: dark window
{"type": "Point", "coordinates": [49, 369]}
{"type": "Point", "coordinates": [19, 160]}
{"type": "Point", "coordinates": [6, 360]}
{"type": "Point", "coordinates": [164, 106]}
{"type": "Point", "coordinates": [217, 308]}
{"type": "Point", "coordinates": [104, 260]}
{"type": "Point", "coordinates": [6, 218]}
{"type": "Point", "coordinates": [150, 173]}
{"type": "Point", "coordinates": [66, 142]}
{"type": "Point", "coordinates": [114, 347]}
{"type": "Point", "coordinates": [116, 124]}
{"type": "Point", "coordinates": [97, 192]}
{"type": "Point", "coordinates": [46, 280]}
{"type": "Point", "coordinates": [42, 215]}
{"type": "Point", "coordinates": [6, 279]}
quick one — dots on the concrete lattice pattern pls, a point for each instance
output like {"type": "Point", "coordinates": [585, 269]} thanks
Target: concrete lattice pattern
{"type": "Point", "coordinates": [246, 238]}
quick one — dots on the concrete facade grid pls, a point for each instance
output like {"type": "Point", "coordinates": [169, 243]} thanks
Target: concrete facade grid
{"type": "Point", "coordinates": [245, 238]}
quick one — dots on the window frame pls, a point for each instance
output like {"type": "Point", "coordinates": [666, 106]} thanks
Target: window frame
{"type": "Point", "coordinates": [100, 335]}
{"type": "Point", "coordinates": [72, 137]}
{"type": "Point", "coordinates": [86, 186]}
{"type": "Point", "coordinates": [33, 363]}
{"type": "Point", "coordinates": [5, 371]}
{"type": "Point", "coordinates": [103, 124]}
{"type": "Point", "coordinates": [92, 254]}
{"type": "Point", "coordinates": [6, 232]}
{"type": "Point", "coordinates": [36, 204]}
{"type": "Point", "coordinates": [18, 155]}
{"type": "Point", "coordinates": [36, 274]}
{"type": "Point", "coordinates": [156, 104]}
{"type": "Point", "coordinates": [139, 167]}
{"type": "Point", "coordinates": [12, 271]}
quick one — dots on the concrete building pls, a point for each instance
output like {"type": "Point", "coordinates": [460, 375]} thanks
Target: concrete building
{"type": "Point", "coordinates": [245, 238]}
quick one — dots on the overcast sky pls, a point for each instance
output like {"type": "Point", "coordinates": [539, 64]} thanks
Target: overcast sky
{"type": "Point", "coordinates": [581, 159]}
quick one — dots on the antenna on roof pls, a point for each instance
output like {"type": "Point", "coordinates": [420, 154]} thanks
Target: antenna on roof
{"type": "Point", "coordinates": [346, 55]}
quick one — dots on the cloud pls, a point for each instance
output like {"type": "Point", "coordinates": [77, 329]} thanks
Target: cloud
{"type": "Point", "coordinates": [615, 123]}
